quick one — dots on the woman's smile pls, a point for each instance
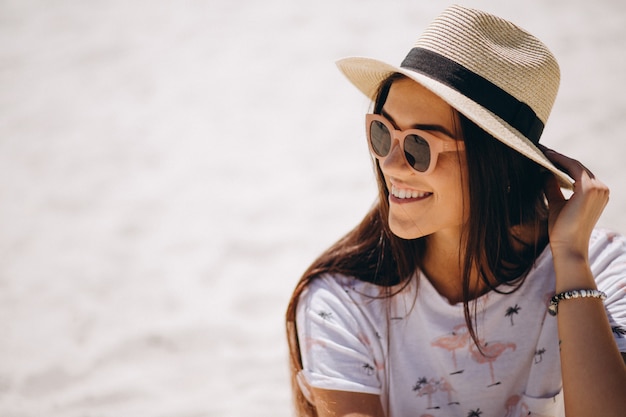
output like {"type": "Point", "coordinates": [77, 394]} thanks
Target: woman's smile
{"type": "Point", "coordinates": [404, 195]}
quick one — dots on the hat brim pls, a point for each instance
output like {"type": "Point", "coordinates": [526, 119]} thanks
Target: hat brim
{"type": "Point", "coordinates": [366, 74]}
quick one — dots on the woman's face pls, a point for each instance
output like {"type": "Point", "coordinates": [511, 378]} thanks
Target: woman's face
{"type": "Point", "coordinates": [442, 204]}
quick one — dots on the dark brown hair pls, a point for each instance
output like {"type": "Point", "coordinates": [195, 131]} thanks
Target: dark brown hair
{"type": "Point", "coordinates": [505, 189]}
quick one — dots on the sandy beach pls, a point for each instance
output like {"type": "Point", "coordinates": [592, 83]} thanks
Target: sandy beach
{"type": "Point", "coordinates": [169, 169]}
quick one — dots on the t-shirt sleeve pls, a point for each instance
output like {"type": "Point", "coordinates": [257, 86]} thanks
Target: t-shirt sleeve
{"type": "Point", "coordinates": [336, 339]}
{"type": "Point", "coordinates": [608, 264]}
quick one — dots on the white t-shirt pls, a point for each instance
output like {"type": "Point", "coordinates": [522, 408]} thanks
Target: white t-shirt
{"type": "Point", "coordinates": [415, 346]}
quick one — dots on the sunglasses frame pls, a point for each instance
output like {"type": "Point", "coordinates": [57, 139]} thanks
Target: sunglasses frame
{"type": "Point", "coordinates": [436, 144]}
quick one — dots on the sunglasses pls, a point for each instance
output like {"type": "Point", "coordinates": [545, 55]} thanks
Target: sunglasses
{"type": "Point", "coordinates": [420, 147]}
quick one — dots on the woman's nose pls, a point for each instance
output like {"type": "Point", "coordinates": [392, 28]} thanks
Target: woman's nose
{"type": "Point", "coordinates": [395, 161]}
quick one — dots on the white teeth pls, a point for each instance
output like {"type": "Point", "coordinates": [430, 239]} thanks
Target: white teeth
{"type": "Point", "coordinates": [403, 193]}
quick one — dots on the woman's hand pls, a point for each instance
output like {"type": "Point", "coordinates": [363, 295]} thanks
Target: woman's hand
{"type": "Point", "coordinates": [572, 220]}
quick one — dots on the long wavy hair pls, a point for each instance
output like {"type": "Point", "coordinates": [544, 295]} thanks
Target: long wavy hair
{"type": "Point", "coordinates": [505, 190]}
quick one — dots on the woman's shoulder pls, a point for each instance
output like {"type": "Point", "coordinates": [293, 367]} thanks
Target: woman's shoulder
{"type": "Point", "coordinates": [337, 302]}
{"type": "Point", "coordinates": [345, 296]}
{"type": "Point", "coordinates": [340, 286]}
{"type": "Point", "coordinates": [607, 256]}
{"type": "Point", "coordinates": [606, 246]}
{"type": "Point", "coordinates": [607, 238]}
{"type": "Point", "coordinates": [607, 260]}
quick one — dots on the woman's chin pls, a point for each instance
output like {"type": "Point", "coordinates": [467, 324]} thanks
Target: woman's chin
{"type": "Point", "coordinates": [407, 232]}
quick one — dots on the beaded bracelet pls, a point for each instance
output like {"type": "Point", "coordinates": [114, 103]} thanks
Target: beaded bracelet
{"type": "Point", "coordinates": [554, 301]}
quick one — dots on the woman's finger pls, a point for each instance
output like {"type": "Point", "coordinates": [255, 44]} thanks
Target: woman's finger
{"type": "Point", "coordinates": [552, 190]}
{"type": "Point", "coordinates": [575, 169]}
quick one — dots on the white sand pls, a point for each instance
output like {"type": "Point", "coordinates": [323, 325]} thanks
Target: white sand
{"type": "Point", "coordinates": [168, 169]}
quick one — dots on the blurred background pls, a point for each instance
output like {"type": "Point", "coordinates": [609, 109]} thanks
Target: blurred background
{"type": "Point", "coordinates": [169, 169]}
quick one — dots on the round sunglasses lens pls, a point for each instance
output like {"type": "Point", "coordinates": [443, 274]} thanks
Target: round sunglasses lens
{"type": "Point", "coordinates": [380, 138]}
{"type": "Point", "coordinates": [417, 152]}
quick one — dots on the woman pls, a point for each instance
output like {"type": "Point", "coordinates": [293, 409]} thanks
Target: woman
{"type": "Point", "coordinates": [473, 287]}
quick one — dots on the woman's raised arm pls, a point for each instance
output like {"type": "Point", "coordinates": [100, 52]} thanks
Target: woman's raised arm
{"type": "Point", "coordinates": [593, 371]}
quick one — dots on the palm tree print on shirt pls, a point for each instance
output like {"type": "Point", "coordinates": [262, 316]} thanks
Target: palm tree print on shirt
{"type": "Point", "coordinates": [428, 387]}
{"type": "Point", "coordinates": [475, 413]}
{"type": "Point", "coordinates": [326, 315]}
{"type": "Point", "coordinates": [512, 311]}
{"type": "Point", "coordinates": [539, 355]}
{"type": "Point", "coordinates": [620, 332]}
{"type": "Point", "coordinates": [369, 369]}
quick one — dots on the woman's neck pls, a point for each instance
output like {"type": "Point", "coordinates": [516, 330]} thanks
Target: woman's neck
{"type": "Point", "coordinates": [444, 259]}
{"type": "Point", "coordinates": [443, 265]}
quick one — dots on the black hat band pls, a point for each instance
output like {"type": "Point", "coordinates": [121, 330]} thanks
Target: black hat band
{"type": "Point", "coordinates": [516, 113]}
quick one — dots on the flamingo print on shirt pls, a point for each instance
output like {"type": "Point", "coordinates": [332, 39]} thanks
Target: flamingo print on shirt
{"type": "Point", "coordinates": [491, 353]}
{"type": "Point", "coordinates": [426, 387]}
{"type": "Point", "coordinates": [511, 405]}
{"type": "Point", "coordinates": [458, 339]}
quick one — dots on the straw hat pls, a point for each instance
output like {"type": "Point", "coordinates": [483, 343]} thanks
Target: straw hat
{"type": "Point", "coordinates": [499, 76]}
